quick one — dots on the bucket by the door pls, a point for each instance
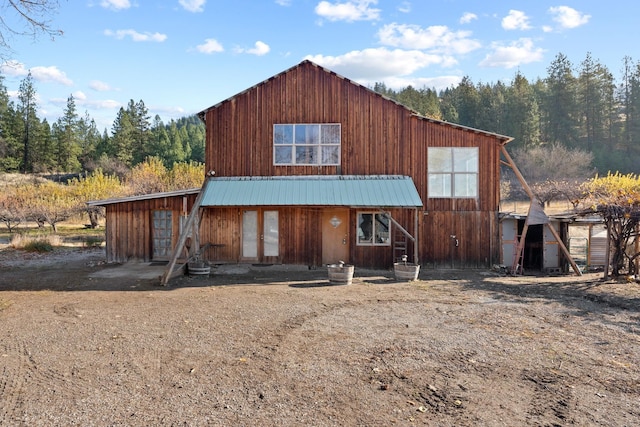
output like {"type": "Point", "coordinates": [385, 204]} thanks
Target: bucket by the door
{"type": "Point", "coordinates": [340, 274]}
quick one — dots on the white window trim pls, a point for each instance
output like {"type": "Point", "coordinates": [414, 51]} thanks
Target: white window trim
{"type": "Point", "coordinates": [453, 173]}
{"type": "Point", "coordinates": [319, 146]}
{"type": "Point", "coordinates": [373, 232]}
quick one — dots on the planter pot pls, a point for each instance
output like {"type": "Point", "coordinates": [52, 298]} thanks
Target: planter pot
{"type": "Point", "coordinates": [198, 268]}
{"type": "Point", "coordinates": [340, 274]}
{"type": "Point", "coordinates": [406, 271]}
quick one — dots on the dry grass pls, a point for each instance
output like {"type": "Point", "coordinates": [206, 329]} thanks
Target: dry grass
{"type": "Point", "coordinates": [21, 241]}
{"type": "Point", "coordinates": [18, 179]}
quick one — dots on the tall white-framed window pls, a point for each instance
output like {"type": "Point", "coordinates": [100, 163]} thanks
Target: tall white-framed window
{"type": "Point", "coordinates": [373, 229]}
{"type": "Point", "coordinates": [306, 144]}
{"type": "Point", "coordinates": [453, 172]}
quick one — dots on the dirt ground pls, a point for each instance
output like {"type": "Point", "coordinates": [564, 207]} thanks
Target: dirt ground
{"type": "Point", "coordinates": [88, 344]}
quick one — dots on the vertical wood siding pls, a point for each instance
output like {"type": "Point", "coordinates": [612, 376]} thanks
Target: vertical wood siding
{"type": "Point", "coordinates": [378, 137]}
{"type": "Point", "coordinates": [129, 227]}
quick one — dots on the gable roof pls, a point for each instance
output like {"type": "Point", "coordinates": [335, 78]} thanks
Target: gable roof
{"type": "Point", "coordinates": [307, 63]}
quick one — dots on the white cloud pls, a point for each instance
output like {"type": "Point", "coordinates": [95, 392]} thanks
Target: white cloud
{"type": "Point", "coordinates": [99, 86]}
{"type": "Point", "coordinates": [519, 52]}
{"type": "Point", "coordinates": [210, 46]}
{"type": "Point", "coordinates": [468, 17]}
{"type": "Point", "coordinates": [350, 11]}
{"type": "Point", "coordinates": [193, 5]}
{"type": "Point", "coordinates": [380, 63]}
{"type": "Point", "coordinates": [79, 95]}
{"type": "Point", "coordinates": [13, 68]}
{"type": "Point", "coordinates": [437, 38]}
{"type": "Point", "coordinates": [115, 4]}
{"type": "Point", "coordinates": [516, 20]}
{"type": "Point", "coordinates": [405, 7]}
{"type": "Point", "coordinates": [568, 17]}
{"type": "Point", "coordinates": [136, 36]}
{"type": "Point", "coordinates": [260, 48]}
{"type": "Point", "coordinates": [49, 74]}
{"type": "Point", "coordinates": [283, 2]}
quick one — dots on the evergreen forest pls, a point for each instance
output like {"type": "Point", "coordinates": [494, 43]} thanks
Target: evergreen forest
{"type": "Point", "coordinates": [581, 108]}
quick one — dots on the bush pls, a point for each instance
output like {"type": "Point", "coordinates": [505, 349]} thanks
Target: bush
{"type": "Point", "coordinates": [38, 246]}
{"type": "Point", "coordinates": [35, 244]}
{"type": "Point", "coordinates": [93, 241]}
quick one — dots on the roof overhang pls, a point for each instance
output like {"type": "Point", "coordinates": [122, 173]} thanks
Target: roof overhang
{"type": "Point", "coordinates": [140, 197]}
{"type": "Point", "coordinates": [363, 191]}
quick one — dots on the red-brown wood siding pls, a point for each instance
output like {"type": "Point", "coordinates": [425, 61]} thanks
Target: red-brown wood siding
{"type": "Point", "coordinates": [378, 137]}
{"type": "Point", "coordinates": [129, 227]}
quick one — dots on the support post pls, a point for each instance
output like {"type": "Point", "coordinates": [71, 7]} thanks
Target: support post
{"type": "Point", "coordinates": [533, 198]}
{"type": "Point", "coordinates": [195, 210]}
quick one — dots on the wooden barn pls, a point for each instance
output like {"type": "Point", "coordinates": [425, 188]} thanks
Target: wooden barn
{"type": "Point", "coordinates": [309, 167]}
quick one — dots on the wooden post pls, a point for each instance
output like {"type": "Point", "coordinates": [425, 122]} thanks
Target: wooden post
{"type": "Point", "coordinates": [637, 249]}
{"type": "Point", "coordinates": [183, 235]}
{"type": "Point", "coordinates": [607, 252]}
{"type": "Point", "coordinates": [533, 198]}
{"type": "Point", "coordinates": [416, 260]}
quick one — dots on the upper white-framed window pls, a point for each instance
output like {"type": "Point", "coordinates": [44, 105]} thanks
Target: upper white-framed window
{"type": "Point", "coordinates": [373, 229]}
{"type": "Point", "coordinates": [453, 172]}
{"type": "Point", "coordinates": [307, 144]}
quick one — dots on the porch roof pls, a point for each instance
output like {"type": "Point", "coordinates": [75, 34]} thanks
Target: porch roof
{"type": "Point", "coordinates": [391, 191]}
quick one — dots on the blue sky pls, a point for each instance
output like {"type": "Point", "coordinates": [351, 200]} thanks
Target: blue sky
{"type": "Point", "coordinates": [182, 56]}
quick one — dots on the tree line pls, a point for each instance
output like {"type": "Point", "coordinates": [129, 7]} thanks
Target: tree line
{"type": "Point", "coordinates": [35, 199]}
{"type": "Point", "coordinates": [577, 107]}
{"type": "Point", "coordinates": [73, 143]}
{"type": "Point", "coordinates": [581, 109]}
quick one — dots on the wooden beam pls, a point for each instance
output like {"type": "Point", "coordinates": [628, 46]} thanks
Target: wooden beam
{"type": "Point", "coordinates": [534, 199]}
{"type": "Point", "coordinates": [565, 251]}
{"type": "Point", "coordinates": [168, 274]}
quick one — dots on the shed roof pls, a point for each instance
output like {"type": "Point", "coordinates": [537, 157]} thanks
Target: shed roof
{"type": "Point", "coordinates": [326, 190]}
{"type": "Point", "coordinates": [143, 197]}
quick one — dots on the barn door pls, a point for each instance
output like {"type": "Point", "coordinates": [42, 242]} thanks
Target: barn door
{"type": "Point", "coordinates": [162, 234]}
{"type": "Point", "coordinates": [260, 236]}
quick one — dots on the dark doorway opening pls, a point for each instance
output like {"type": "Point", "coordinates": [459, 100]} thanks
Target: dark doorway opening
{"type": "Point", "coordinates": [533, 258]}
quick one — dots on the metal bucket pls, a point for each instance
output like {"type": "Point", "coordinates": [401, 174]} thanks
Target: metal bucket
{"type": "Point", "coordinates": [406, 271]}
{"type": "Point", "coordinates": [340, 274]}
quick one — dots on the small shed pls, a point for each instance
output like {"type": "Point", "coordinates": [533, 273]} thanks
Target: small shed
{"type": "Point", "coordinates": [145, 227]}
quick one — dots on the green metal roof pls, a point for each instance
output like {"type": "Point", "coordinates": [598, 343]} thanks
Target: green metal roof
{"type": "Point", "coordinates": [326, 190]}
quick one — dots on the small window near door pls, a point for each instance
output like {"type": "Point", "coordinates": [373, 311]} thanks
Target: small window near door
{"type": "Point", "coordinates": [373, 229]}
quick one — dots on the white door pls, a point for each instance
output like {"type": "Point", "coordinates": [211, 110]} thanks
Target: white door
{"type": "Point", "coordinates": [260, 236]}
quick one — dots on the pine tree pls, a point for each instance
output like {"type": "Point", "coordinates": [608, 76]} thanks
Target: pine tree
{"type": "Point", "coordinates": [159, 144]}
{"type": "Point", "coordinates": [562, 110]}
{"type": "Point", "coordinates": [68, 139]}
{"type": "Point", "coordinates": [27, 109]}
{"type": "Point", "coordinates": [122, 137]}
{"type": "Point", "coordinates": [522, 119]}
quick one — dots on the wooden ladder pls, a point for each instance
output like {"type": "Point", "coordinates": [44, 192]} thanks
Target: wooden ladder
{"type": "Point", "coordinates": [399, 246]}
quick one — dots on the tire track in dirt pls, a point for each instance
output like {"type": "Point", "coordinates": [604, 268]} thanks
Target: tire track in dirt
{"type": "Point", "coordinates": [25, 381]}
{"type": "Point", "coordinates": [552, 399]}
{"type": "Point", "coordinates": [15, 358]}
